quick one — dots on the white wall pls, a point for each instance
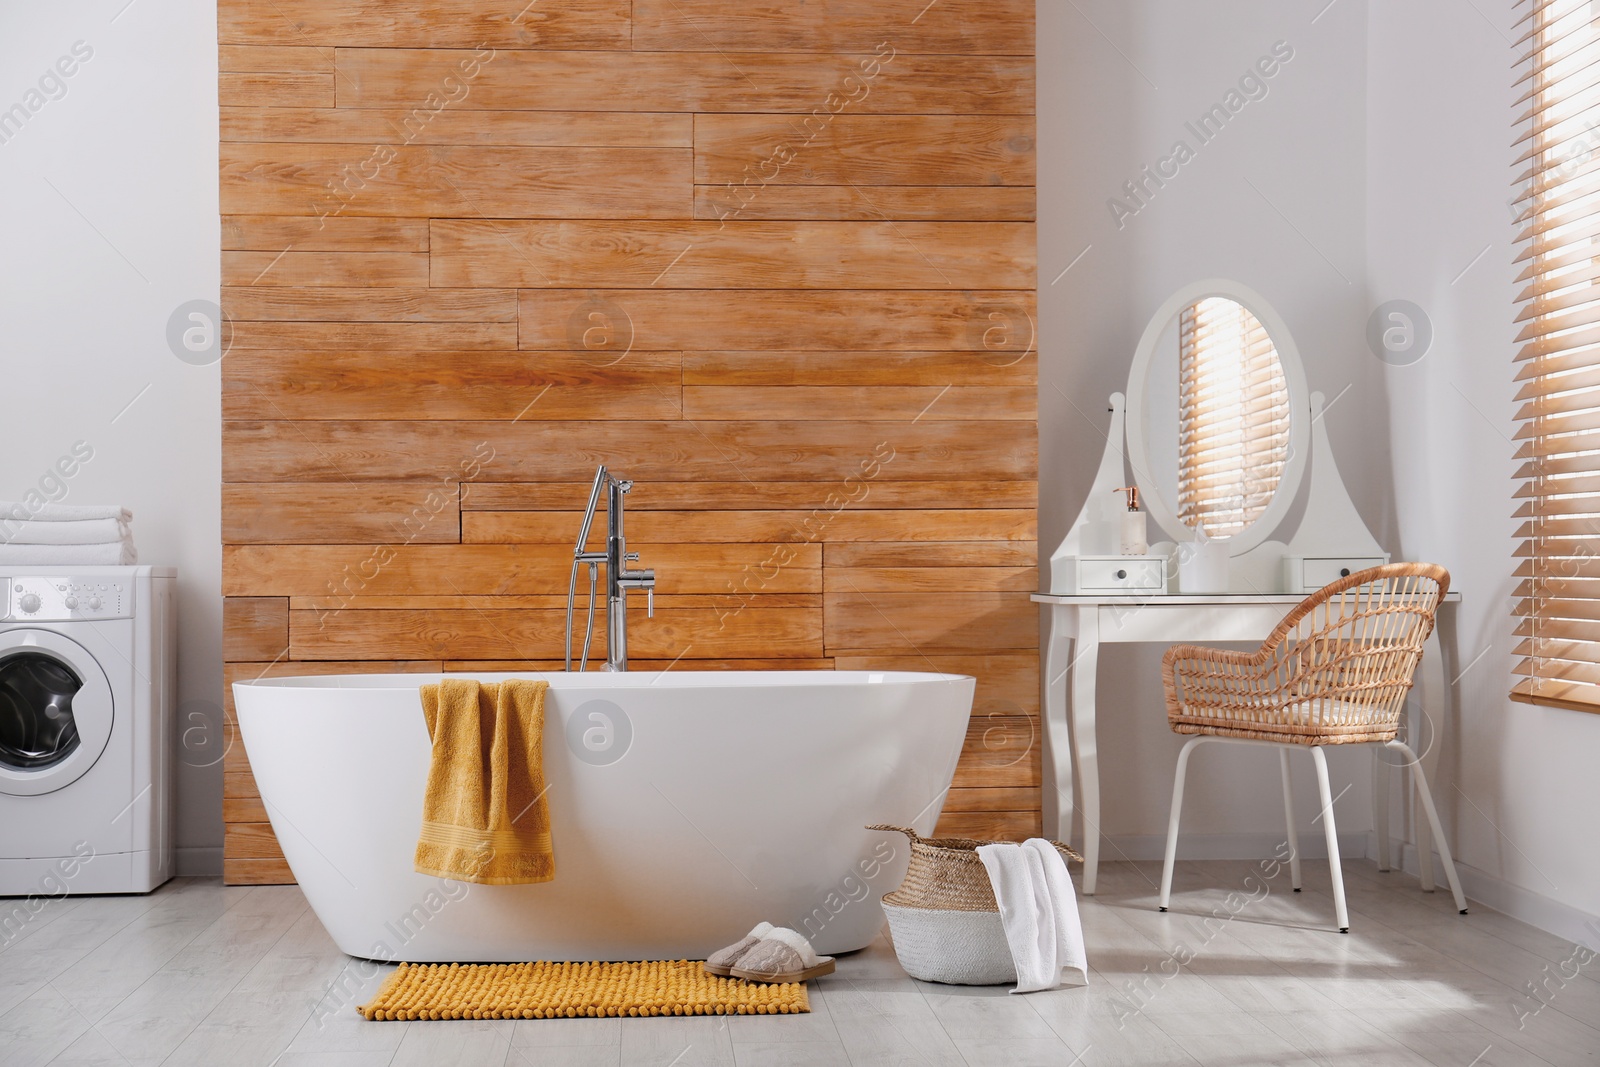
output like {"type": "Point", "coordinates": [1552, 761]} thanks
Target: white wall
{"type": "Point", "coordinates": [108, 222]}
{"type": "Point", "coordinates": [1276, 201]}
{"type": "Point", "coordinates": [1520, 781]}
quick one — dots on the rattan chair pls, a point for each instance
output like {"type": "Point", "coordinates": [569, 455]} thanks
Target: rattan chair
{"type": "Point", "coordinates": [1336, 671]}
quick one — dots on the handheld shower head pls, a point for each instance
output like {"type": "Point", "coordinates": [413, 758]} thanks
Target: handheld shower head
{"type": "Point", "coordinates": [600, 477]}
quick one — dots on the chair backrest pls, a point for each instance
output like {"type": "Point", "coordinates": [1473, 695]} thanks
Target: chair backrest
{"type": "Point", "coordinates": [1352, 647]}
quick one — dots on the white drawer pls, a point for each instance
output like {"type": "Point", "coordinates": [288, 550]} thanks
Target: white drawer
{"type": "Point", "coordinates": [1318, 571]}
{"type": "Point", "coordinates": [1133, 574]}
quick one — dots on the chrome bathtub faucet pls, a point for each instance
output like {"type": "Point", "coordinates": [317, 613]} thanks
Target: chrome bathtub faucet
{"type": "Point", "coordinates": [619, 578]}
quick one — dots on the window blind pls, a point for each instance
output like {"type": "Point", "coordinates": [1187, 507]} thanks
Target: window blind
{"type": "Point", "coordinates": [1233, 417]}
{"type": "Point", "coordinates": [1558, 205]}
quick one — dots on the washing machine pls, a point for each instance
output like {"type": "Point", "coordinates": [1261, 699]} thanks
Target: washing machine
{"type": "Point", "coordinates": [87, 680]}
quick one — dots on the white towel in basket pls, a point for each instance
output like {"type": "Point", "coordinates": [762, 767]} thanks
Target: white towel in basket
{"type": "Point", "coordinates": [1039, 910]}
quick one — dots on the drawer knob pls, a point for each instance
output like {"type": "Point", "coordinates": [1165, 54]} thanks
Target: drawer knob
{"type": "Point", "coordinates": [1344, 572]}
{"type": "Point", "coordinates": [1122, 574]}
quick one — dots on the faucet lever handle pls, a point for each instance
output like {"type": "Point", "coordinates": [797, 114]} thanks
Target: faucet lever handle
{"type": "Point", "coordinates": [631, 557]}
{"type": "Point", "coordinates": [650, 601]}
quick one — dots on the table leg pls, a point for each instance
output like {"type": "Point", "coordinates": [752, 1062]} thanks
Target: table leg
{"type": "Point", "coordinates": [1057, 623]}
{"type": "Point", "coordinates": [1086, 756]}
{"type": "Point", "coordinates": [1429, 737]}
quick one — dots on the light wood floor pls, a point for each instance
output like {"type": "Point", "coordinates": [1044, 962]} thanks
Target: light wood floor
{"type": "Point", "coordinates": [199, 973]}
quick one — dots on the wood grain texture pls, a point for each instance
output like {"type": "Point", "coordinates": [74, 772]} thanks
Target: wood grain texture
{"type": "Point", "coordinates": [449, 386]}
{"type": "Point", "coordinates": [447, 126]}
{"type": "Point", "coordinates": [835, 402]}
{"type": "Point", "coordinates": [239, 871]}
{"type": "Point", "coordinates": [752, 496]}
{"type": "Point", "coordinates": [997, 323]}
{"type": "Point", "coordinates": [928, 621]}
{"type": "Point", "coordinates": [745, 155]}
{"type": "Point", "coordinates": [395, 180]}
{"type": "Point", "coordinates": [649, 451]}
{"type": "Point", "coordinates": [972, 799]}
{"type": "Point", "coordinates": [930, 579]}
{"type": "Point", "coordinates": [666, 527]}
{"type": "Point", "coordinates": [395, 568]}
{"type": "Point", "coordinates": [738, 255]}
{"type": "Point", "coordinates": [991, 825]}
{"type": "Point", "coordinates": [250, 841]}
{"type": "Point", "coordinates": [774, 261]}
{"type": "Point", "coordinates": [289, 267]}
{"type": "Point", "coordinates": [703, 81]}
{"type": "Point", "coordinates": [968, 27]}
{"type": "Point", "coordinates": [255, 627]}
{"type": "Point", "coordinates": [979, 369]}
{"type": "Point", "coordinates": [544, 603]}
{"type": "Point", "coordinates": [305, 59]}
{"type": "Point", "coordinates": [651, 665]}
{"type": "Point", "coordinates": [1000, 751]}
{"type": "Point", "coordinates": [369, 336]}
{"type": "Point", "coordinates": [287, 89]}
{"type": "Point", "coordinates": [239, 783]}
{"type": "Point", "coordinates": [275, 233]}
{"type": "Point", "coordinates": [236, 760]}
{"type": "Point", "coordinates": [426, 23]}
{"type": "Point", "coordinates": [756, 632]}
{"type": "Point", "coordinates": [935, 554]}
{"type": "Point", "coordinates": [341, 513]}
{"type": "Point", "coordinates": [314, 303]}
{"type": "Point", "coordinates": [243, 809]}
{"type": "Point", "coordinates": [922, 203]}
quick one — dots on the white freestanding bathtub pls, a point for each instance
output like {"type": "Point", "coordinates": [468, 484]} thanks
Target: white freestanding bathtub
{"type": "Point", "coordinates": [685, 808]}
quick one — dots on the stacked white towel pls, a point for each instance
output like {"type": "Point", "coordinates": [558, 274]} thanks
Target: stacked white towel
{"type": "Point", "coordinates": [65, 535]}
{"type": "Point", "coordinates": [1039, 910]}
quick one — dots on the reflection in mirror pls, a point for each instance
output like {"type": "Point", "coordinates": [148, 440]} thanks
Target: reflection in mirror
{"type": "Point", "coordinates": [1233, 417]}
{"type": "Point", "coordinates": [1217, 431]}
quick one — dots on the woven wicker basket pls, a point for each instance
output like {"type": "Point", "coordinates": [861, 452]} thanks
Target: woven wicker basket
{"type": "Point", "coordinates": [944, 918]}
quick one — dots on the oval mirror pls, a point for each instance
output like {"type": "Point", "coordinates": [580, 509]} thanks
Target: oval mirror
{"type": "Point", "coordinates": [1217, 416]}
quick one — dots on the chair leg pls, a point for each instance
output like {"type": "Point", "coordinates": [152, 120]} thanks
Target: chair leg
{"type": "Point", "coordinates": [1289, 820]}
{"type": "Point", "coordinates": [1380, 806]}
{"type": "Point", "coordinates": [1172, 823]}
{"type": "Point", "coordinates": [1425, 795]}
{"type": "Point", "coordinates": [1339, 910]}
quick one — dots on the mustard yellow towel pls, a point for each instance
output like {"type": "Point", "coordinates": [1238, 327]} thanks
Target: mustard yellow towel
{"type": "Point", "coordinates": [484, 816]}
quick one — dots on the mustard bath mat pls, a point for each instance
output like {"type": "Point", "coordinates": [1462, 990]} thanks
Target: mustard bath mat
{"type": "Point", "coordinates": [573, 990]}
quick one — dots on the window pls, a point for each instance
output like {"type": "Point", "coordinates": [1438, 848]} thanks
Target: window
{"type": "Point", "coordinates": [1558, 203]}
{"type": "Point", "coordinates": [1233, 417]}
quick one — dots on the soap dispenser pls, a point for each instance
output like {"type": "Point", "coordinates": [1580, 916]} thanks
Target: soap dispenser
{"type": "Point", "coordinates": [1135, 539]}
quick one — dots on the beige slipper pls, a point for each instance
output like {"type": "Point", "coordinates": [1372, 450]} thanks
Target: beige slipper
{"type": "Point", "coordinates": [722, 961]}
{"type": "Point", "coordinates": [781, 957]}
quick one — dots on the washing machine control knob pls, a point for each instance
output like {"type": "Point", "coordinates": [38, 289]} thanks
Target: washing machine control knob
{"type": "Point", "coordinates": [29, 602]}
{"type": "Point", "coordinates": [71, 602]}
{"type": "Point", "coordinates": [94, 603]}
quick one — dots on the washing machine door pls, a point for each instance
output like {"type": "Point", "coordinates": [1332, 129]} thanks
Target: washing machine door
{"type": "Point", "coordinates": [55, 711]}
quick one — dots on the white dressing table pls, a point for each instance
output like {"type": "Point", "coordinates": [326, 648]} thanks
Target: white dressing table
{"type": "Point", "coordinates": [1083, 606]}
{"type": "Point", "coordinates": [1074, 627]}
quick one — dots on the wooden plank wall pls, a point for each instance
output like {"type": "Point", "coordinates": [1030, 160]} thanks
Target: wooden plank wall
{"type": "Point", "coordinates": [772, 260]}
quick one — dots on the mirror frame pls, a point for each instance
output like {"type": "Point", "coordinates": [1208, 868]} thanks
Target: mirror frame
{"type": "Point", "coordinates": [1299, 406]}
